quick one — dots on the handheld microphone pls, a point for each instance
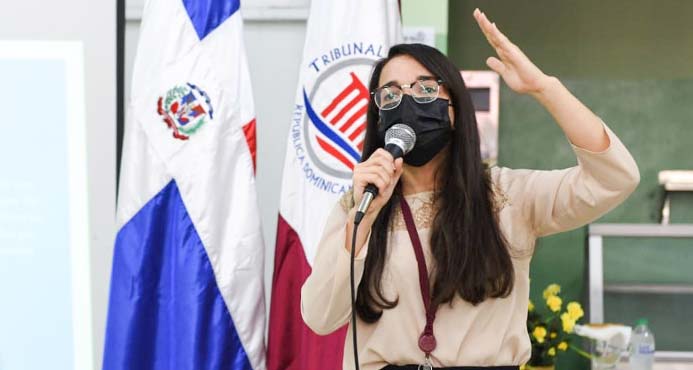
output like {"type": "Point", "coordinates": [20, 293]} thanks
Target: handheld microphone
{"type": "Point", "coordinates": [399, 140]}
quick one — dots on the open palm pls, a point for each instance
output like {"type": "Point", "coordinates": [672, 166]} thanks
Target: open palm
{"type": "Point", "coordinates": [518, 72]}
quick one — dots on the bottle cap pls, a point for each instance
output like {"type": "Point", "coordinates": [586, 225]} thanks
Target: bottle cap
{"type": "Point", "coordinates": [641, 321]}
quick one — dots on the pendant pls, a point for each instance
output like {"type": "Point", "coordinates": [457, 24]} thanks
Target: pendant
{"type": "Point", "coordinates": [427, 342]}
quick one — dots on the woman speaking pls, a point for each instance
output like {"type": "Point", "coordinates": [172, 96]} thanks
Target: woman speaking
{"type": "Point", "coordinates": [443, 252]}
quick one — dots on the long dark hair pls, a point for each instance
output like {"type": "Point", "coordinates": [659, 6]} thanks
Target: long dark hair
{"type": "Point", "coordinates": [471, 255]}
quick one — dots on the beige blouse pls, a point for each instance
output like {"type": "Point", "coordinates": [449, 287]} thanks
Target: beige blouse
{"type": "Point", "coordinates": [530, 203]}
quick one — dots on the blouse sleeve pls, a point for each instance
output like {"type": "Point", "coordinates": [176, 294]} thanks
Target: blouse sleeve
{"type": "Point", "coordinates": [560, 200]}
{"type": "Point", "coordinates": [326, 294]}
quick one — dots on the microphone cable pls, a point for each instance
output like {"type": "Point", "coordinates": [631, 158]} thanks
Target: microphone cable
{"type": "Point", "coordinates": [357, 221]}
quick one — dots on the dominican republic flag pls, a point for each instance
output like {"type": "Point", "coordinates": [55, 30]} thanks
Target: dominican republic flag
{"type": "Point", "coordinates": [187, 281]}
{"type": "Point", "coordinates": [343, 41]}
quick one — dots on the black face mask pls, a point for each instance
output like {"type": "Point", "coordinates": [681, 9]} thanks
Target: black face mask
{"type": "Point", "coordinates": [430, 122]}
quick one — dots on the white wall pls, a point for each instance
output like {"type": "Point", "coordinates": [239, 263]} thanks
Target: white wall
{"type": "Point", "coordinates": [274, 35]}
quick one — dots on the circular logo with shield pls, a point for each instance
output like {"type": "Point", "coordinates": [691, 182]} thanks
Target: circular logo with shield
{"type": "Point", "coordinates": [334, 124]}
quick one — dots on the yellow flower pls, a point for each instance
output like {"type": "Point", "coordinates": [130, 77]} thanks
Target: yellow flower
{"type": "Point", "coordinates": [568, 322]}
{"type": "Point", "coordinates": [552, 289]}
{"type": "Point", "coordinates": [563, 346]}
{"type": "Point", "coordinates": [530, 307]}
{"type": "Point", "coordinates": [554, 302]}
{"type": "Point", "coordinates": [539, 333]}
{"type": "Point", "coordinates": [575, 310]}
{"type": "Point", "coordinates": [553, 335]}
{"type": "Point", "coordinates": [552, 351]}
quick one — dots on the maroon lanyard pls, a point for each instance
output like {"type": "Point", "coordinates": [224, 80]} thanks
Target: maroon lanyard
{"type": "Point", "coordinates": [427, 341]}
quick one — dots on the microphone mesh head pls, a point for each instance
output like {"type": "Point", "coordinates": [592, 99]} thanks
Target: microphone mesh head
{"type": "Point", "coordinates": [401, 135]}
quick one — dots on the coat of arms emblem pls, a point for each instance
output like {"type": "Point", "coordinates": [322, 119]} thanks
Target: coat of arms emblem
{"type": "Point", "coordinates": [185, 109]}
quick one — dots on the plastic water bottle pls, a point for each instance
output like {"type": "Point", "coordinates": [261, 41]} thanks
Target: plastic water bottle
{"type": "Point", "coordinates": [642, 347]}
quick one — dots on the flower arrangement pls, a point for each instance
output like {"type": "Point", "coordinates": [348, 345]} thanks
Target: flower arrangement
{"type": "Point", "coordinates": [552, 332]}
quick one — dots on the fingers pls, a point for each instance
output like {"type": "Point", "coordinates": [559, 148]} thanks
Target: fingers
{"type": "Point", "coordinates": [399, 165]}
{"type": "Point", "coordinates": [380, 170]}
{"type": "Point", "coordinates": [382, 159]}
{"type": "Point", "coordinates": [484, 25]}
{"type": "Point", "coordinates": [375, 179]}
{"type": "Point", "coordinates": [493, 35]}
{"type": "Point", "coordinates": [502, 39]}
{"type": "Point", "coordinates": [384, 156]}
{"type": "Point", "coordinates": [496, 65]}
{"type": "Point", "coordinates": [492, 32]}
{"type": "Point", "coordinates": [377, 171]}
{"type": "Point", "coordinates": [399, 168]}
{"type": "Point", "coordinates": [387, 190]}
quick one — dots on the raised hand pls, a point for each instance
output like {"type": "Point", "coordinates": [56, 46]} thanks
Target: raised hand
{"type": "Point", "coordinates": [518, 72]}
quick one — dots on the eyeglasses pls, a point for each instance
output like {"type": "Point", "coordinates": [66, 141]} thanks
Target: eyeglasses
{"type": "Point", "coordinates": [423, 91]}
